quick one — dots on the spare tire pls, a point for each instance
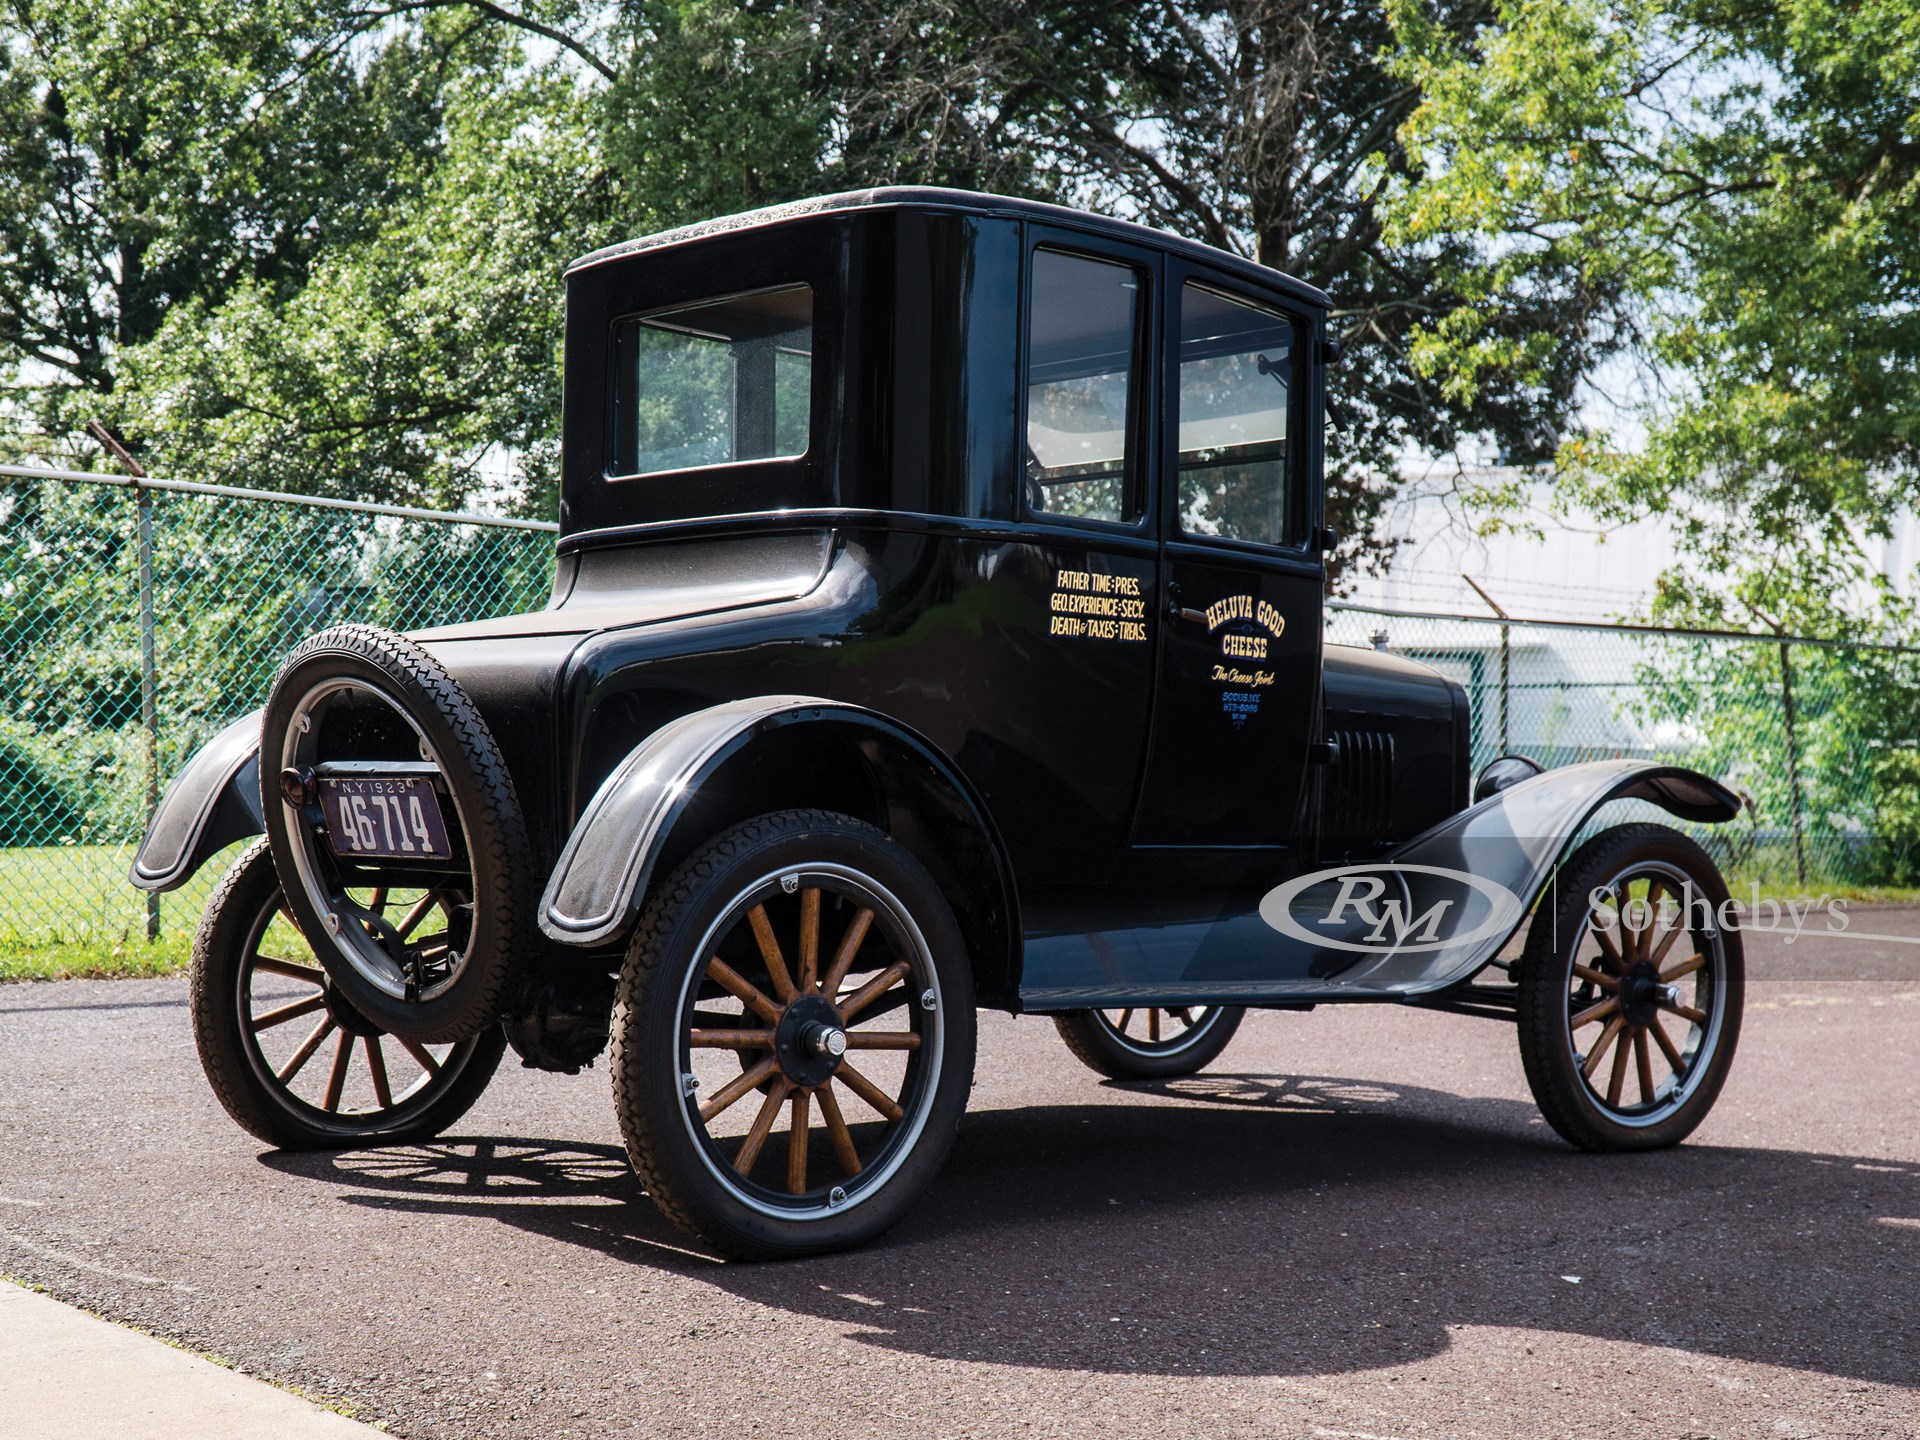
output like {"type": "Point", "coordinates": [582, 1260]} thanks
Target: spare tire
{"type": "Point", "coordinates": [364, 729]}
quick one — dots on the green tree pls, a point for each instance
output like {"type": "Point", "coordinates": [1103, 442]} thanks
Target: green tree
{"type": "Point", "coordinates": [154, 154]}
{"type": "Point", "coordinates": [1747, 177]}
{"type": "Point", "coordinates": [713, 107]}
{"type": "Point", "coordinates": [1270, 128]}
{"type": "Point", "coordinates": [317, 244]}
{"type": "Point", "coordinates": [415, 352]}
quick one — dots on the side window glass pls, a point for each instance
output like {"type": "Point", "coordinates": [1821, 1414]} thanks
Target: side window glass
{"type": "Point", "coordinates": [713, 383]}
{"type": "Point", "coordinates": [1080, 359]}
{"type": "Point", "coordinates": [1236, 374]}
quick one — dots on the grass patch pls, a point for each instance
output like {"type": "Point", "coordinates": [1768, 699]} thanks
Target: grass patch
{"type": "Point", "coordinates": [67, 912]}
{"type": "Point", "coordinates": [1741, 887]}
{"type": "Point", "coordinates": [125, 960]}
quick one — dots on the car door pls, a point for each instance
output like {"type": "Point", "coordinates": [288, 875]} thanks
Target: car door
{"type": "Point", "coordinates": [1072, 666]}
{"type": "Point", "coordinates": [1238, 676]}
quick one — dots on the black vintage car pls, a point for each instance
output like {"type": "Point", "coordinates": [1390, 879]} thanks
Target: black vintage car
{"type": "Point", "coordinates": [936, 623]}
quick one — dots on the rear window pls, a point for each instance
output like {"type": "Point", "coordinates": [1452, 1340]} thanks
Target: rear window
{"type": "Point", "coordinates": [713, 383]}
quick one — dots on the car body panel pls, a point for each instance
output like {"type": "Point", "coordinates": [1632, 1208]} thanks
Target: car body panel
{"type": "Point", "coordinates": [600, 882]}
{"type": "Point", "coordinates": [1131, 796]}
{"type": "Point", "coordinates": [1150, 952]}
{"type": "Point", "coordinates": [212, 802]}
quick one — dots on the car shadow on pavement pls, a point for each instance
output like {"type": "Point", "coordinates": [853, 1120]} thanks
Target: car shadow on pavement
{"type": "Point", "coordinates": [1241, 1225]}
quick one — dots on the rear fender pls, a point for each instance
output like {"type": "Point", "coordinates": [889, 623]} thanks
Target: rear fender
{"type": "Point", "coordinates": [213, 802]}
{"type": "Point", "coordinates": [715, 767]}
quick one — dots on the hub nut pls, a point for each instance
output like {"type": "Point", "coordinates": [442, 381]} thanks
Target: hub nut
{"type": "Point", "coordinates": [825, 1040]}
{"type": "Point", "coordinates": [810, 1039]}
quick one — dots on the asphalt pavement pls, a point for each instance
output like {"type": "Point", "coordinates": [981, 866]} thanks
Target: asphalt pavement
{"type": "Point", "coordinates": [1353, 1225]}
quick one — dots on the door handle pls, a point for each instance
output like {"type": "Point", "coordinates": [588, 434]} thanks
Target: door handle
{"type": "Point", "coordinates": [1174, 610]}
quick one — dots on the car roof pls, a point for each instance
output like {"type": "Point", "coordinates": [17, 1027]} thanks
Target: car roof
{"type": "Point", "coordinates": [972, 202]}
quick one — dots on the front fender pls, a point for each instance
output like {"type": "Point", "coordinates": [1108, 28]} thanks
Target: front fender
{"type": "Point", "coordinates": [1509, 843]}
{"type": "Point", "coordinates": [210, 804]}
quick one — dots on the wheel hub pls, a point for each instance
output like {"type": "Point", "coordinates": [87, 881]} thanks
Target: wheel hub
{"type": "Point", "coordinates": [810, 1040]}
{"type": "Point", "coordinates": [824, 1040]}
{"type": "Point", "coordinates": [1641, 993]}
{"type": "Point", "coordinates": [345, 1015]}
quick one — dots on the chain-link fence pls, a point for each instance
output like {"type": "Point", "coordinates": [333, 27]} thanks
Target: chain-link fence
{"type": "Point", "coordinates": [1818, 736]}
{"type": "Point", "coordinates": [136, 621]}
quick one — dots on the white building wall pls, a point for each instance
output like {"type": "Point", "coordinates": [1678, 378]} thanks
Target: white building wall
{"type": "Point", "coordinates": [1554, 568]}
{"type": "Point", "coordinates": [1562, 570]}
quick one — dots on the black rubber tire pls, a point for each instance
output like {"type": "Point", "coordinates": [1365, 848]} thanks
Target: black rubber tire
{"type": "Point", "coordinates": [647, 1095]}
{"type": "Point", "coordinates": [1554, 942]}
{"type": "Point", "coordinates": [1095, 1044]}
{"type": "Point", "coordinates": [483, 795]}
{"type": "Point", "coordinates": [240, 1078]}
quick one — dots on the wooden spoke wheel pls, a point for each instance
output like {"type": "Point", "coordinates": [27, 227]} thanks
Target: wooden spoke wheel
{"type": "Point", "coordinates": [291, 1058]}
{"type": "Point", "coordinates": [1630, 991]}
{"type": "Point", "coordinates": [793, 1041]}
{"type": "Point", "coordinates": [1149, 1042]}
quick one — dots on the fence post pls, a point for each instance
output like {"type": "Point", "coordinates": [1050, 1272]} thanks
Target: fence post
{"type": "Point", "coordinates": [1506, 691]}
{"type": "Point", "coordinates": [149, 684]}
{"type": "Point", "coordinates": [1506, 667]}
{"type": "Point", "coordinates": [149, 670]}
{"type": "Point", "coordinates": [1793, 764]}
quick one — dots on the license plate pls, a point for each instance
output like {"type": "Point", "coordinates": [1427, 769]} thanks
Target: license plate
{"type": "Point", "coordinates": [384, 819]}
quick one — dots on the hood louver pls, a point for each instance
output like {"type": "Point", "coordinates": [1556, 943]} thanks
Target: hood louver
{"type": "Point", "coordinates": [1358, 802]}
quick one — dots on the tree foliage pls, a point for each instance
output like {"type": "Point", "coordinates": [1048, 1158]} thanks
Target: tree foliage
{"type": "Point", "coordinates": [1749, 177]}
{"type": "Point", "coordinates": [148, 159]}
{"type": "Point", "coordinates": [296, 244]}
{"type": "Point", "coordinates": [321, 239]}
{"type": "Point", "coordinates": [317, 243]}
{"type": "Point", "coordinates": [409, 354]}
{"type": "Point", "coordinates": [1270, 128]}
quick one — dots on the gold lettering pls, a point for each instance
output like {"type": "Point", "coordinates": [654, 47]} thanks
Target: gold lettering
{"type": "Point", "coordinates": [1233, 607]}
{"type": "Point", "coordinates": [1087, 604]}
{"type": "Point", "coordinates": [1258, 679]}
{"type": "Point", "coordinates": [1244, 647]}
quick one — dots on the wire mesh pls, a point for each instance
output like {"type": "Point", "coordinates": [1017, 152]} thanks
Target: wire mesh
{"type": "Point", "coordinates": [1812, 734]}
{"type": "Point", "coordinates": [234, 586]}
